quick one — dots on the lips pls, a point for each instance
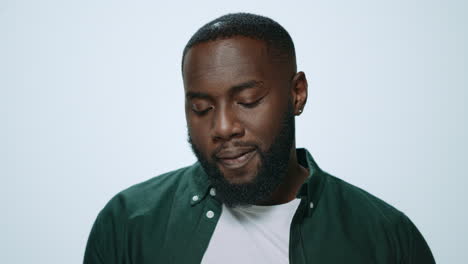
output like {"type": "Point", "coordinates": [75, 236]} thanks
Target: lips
{"type": "Point", "coordinates": [234, 158]}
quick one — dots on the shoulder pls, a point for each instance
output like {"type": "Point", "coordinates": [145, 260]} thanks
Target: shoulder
{"type": "Point", "coordinates": [150, 195]}
{"type": "Point", "coordinates": [359, 204]}
{"type": "Point", "coordinates": [368, 218]}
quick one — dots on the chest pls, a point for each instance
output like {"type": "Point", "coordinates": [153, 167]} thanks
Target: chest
{"type": "Point", "coordinates": [205, 235]}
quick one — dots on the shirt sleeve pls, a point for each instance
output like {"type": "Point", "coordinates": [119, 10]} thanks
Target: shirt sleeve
{"type": "Point", "coordinates": [414, 248]}
{"type": "Point", "coordinates": [93, 252]}
{"type": "Point", "coordinates": [107, 236]}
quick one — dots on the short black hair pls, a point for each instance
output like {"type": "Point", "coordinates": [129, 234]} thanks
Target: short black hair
{"type": "Point", "coordinates": [247, 25]}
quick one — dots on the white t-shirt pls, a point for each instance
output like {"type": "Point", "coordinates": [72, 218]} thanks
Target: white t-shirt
{"type": "Point", "coordinates": [252, 234]}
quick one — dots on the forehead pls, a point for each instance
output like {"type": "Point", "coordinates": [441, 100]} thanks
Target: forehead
{"type": "Point", "coordinates": [228, 60]}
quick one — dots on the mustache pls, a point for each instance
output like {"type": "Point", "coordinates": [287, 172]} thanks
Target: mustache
{"type": "Point", "coordinates": [233, 144]}
{"type": "Point", "coordinates": [228, 144]}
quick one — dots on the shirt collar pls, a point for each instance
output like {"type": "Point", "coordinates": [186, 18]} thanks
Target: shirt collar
{"type": "Point", "coordinates": [199, 185]}
{"type": "Point", "coordinates": [310, 189]}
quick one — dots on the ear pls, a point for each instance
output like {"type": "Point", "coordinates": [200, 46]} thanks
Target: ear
{"type": "Point", "coordinates": [299, 92]}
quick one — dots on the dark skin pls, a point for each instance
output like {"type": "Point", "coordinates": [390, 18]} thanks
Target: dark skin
{"type": "Point", "coordinates": [236, 91]}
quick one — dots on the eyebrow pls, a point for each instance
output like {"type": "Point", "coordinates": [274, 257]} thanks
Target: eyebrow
{"type": "Point", "coordinates": [233, 90]}
{"type": "Point", "coordinates": [245, 85]}
{"type": "Point", "coordinates": [197, 95]}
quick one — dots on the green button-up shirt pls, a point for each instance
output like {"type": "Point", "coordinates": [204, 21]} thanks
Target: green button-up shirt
{"type": "Point", "coordinates": [171, 218]}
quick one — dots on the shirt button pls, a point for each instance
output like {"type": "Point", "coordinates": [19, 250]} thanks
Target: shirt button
{"type": "Point", "coordinates": [212, 192]}
{"type": "Point", "coordinates": [209, 214]}
{"type": "Point", "coordinates": [195, 198]}
{"type": "Point", "coordinates": [311, 205]}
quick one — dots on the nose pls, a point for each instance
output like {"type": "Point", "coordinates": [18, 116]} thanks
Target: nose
{"type": "Point", "coordinates": [226, 125]}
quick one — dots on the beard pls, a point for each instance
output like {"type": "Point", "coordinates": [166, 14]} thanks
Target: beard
{"type": "Point", "coordinates": [271, 171]}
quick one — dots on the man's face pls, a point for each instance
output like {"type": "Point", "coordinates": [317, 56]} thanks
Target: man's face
{"type": "Point", "coordinates": [240, 116]}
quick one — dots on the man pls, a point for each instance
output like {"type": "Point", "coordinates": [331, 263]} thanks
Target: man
{"type": "Point", "coordinates": [252, 197]}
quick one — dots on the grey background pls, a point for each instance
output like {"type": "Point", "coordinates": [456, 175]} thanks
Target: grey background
{"type": "Point", "coordinates": [91, 102]}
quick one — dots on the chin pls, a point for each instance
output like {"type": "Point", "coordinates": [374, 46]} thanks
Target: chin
{"type": "Point", "coordinates": [240, 179]}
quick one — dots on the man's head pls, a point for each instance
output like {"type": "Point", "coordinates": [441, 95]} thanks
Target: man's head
{"type": "Point", "coordinates": [274, 36]}
{"type": "Point", "coordinates": [242, 92]}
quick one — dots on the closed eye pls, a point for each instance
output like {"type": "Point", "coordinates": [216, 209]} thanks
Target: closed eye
{"type": "Point", "coordinates": [251, 104]}
{"type": "Point", "coordinates": [202, 112]}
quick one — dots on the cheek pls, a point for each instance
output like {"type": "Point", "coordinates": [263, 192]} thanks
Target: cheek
{"type": "Point", "coordinates": [199, 133]}
{"type": "Point", "coordinates": [264, 124]}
